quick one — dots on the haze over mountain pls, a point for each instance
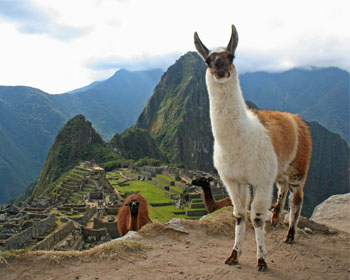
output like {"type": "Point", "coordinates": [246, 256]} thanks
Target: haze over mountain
{"type": "Point", "coordinates": [31, 118]}
{"type": "Point", "coordinates": [114, 104]}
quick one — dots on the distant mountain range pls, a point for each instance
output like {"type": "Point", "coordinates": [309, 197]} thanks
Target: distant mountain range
{"type": "Point", "coordinates": [31, 118]}
{"type": "Point", "coordinates": [112, 105]}
{"type": "Point", "coordinates": [316, 94]}
{"type": "Point", "coordinates": [176, 114]}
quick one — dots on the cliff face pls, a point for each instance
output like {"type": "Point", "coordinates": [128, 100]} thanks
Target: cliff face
{"type": "Point", "coordinates": [77, 140]}
{"type": "Point", "coordinates": [177, 113]}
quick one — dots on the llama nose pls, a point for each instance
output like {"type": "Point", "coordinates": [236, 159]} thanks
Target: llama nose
{"type": "Point", "coordinates": [219, 62]}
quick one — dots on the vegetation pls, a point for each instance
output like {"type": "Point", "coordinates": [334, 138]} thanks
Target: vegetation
{"type": "Point", "coordinates": [76, 141]}
{"type": "Point", "coordinates": [135, 143]}
{"type": "Point", "coordinates": [147, 161]}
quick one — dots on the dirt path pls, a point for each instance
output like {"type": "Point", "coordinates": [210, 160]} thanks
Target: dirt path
{"type": "Point", "coordinates": [200, 255]}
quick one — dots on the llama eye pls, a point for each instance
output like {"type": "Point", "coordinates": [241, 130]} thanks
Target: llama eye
{"type": "Point", "coordinates": [230, 57]}
{"type": "Point", "coordinates": [208, 60]}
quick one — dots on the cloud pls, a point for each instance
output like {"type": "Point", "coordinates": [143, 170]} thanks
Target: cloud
{"type": "Point", "coordinates": [133, 63]}
{"type": "Point", "coordinates": [32, 19]}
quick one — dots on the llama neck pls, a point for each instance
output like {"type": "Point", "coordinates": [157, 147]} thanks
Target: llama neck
{"type": "Point", "coordinates": [228, 110]}
{"type": "Point", "coordinates": [134, 222]}
{"type": "Point", "coordinates": [209, 199]}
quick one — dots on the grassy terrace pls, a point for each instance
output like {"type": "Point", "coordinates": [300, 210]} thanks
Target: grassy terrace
{"type": "Point", "coordinates": [152, 193]}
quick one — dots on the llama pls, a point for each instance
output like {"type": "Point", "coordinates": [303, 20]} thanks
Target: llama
{"type": "Point", "coordinates": [133, 214]}
{"type": "Point", "coordinates": [253, 147]}
{"type": "Point", "coordinates": [210, 203]}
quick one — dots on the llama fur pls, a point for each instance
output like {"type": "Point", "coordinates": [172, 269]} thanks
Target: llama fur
{"type": "Point", "coordinates": [253, 147]}
{"type": "Point", "coordinates": [209, 201]}
{"type": "Point", "coordinates": [129, 220]}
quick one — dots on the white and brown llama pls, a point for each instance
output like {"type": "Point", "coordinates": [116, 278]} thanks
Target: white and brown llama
{"type": "Point", "coordinates": [133, 214]}
{"type": "Point", "coordinates": [253, 147]}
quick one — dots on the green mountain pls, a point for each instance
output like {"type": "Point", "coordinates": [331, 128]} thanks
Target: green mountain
{"type": "Point", "coordinates": [178, 115]}
{"type": "Point", "coordinates": [136, 143]}
{"type": "Point", "coordinates": [76, 141]}
{"type": "Point", "coordinates": [329, 167]}
{"type": "Point", "coordinates": [29, 122]}
{"type": "Point", "coordinates": [114, 104]}
{"type": "Point", "coordinates": [317, 94]}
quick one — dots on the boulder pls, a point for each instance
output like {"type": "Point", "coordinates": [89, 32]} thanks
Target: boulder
{"type": "Point", "coordinates": [334, 212]}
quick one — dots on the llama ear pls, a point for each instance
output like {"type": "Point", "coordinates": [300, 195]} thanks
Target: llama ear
{"type": "Point", "coordinates": [232, 45]}
{"type": "Point", "coordinates": [201, 49]}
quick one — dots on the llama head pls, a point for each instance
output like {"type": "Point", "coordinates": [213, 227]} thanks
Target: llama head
{"type": "Point", "coordinates": [134, 207]}
{"type": "Point", "coordinates": [220, 60]}
{"type": "Point", "coordinates": [203, 182]}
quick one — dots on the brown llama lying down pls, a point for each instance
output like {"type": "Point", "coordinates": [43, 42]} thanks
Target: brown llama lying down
{"type": "Point", "coordinates": [210, 203]}
{"type": "Point", "coordinates": [133, 214]}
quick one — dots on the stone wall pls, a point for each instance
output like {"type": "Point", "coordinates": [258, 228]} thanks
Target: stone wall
{"type": "Point", "coordinates": [112, 228]}
{"type": "Point", "coordinates": [38, 229]}
{"type": "Point", "coordinates": [50, 241]}
{"type": "Point", "coordinates": [87, 215]}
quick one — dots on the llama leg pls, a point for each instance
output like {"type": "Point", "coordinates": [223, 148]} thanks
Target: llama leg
{"type": "Point", "coordinates": [260, 205]}
{"type": "Point", "coordinates": [295, 204]}
{"type": "Point", "coordinates": [239, 201]}
{"type": "Point", "coordinates": [281, 201]}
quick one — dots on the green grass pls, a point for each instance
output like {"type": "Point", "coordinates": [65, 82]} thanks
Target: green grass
{"type": "Point", "coordinates": [151, 193]}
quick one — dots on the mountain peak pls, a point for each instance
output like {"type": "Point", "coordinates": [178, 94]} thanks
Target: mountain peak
{"type": "Point", "coordinates": [71, 145]}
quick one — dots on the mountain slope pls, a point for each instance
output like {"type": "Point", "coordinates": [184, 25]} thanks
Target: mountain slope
{"type": "Point", "coordinates": [114, 104]}
{"type": "Point", "coordinates": [318, 94]}
{"type": "Point", "coordinates": [136, 143]}
{"type": "Point", "coordinates": [177, 114]}
{"type": "Point", "coordinates": [77, 140]}
{"type": "Point", "coordinates": [28, 124]}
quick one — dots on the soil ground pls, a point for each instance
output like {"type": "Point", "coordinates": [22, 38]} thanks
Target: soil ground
{"type": "Point", "coordinates": [200, 254]}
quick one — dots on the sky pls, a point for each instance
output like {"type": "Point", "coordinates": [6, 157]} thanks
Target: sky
{"type": "Point", "coordinates": [61, 45]}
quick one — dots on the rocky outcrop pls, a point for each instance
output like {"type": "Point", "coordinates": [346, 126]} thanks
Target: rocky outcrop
{"type": "Point", "coordinates": [334, 212]}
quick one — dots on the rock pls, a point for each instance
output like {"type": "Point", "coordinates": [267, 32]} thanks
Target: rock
{"type": "Point", "coordinates": [176, 225]}
{"type": "Point", "coordinates": [308, 230]}
{"type": "Point", "coordinates": [334, 212]}
{"type": "Point", "coordinates": [131, 235]}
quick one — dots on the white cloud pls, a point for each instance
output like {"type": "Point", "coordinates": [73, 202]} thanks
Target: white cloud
{"type": "Point", "coordinates": [61, 45]}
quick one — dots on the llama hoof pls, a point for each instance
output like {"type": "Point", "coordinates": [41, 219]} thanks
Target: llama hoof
{"type": "Point", "coordinates": [289, 240]}
{"type": "Point", "coordinates": [231, 261]}
{"type": "Point", "coordinates": [262, 266]}
{"type": "Point", "coordinates": [274, 222]}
